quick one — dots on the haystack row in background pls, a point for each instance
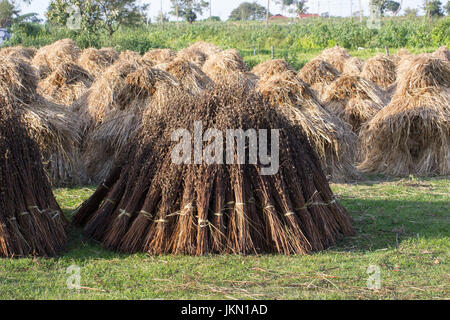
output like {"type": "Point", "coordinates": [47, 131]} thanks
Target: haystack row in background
{"type": "Point", "coordinates": [112, 109]}
{"type": "Point", "coordinates": [149, 204]}
{"type": "Point", "coordinates": [412, 134]}
{"type": "Point", "coordinates": [354, 99]}
{"type": "Point", "coordinates": [331, 138]}
{"type": "Point", "coordinates": [52, 126]}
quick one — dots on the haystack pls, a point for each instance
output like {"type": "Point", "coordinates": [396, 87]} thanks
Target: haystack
{"type": "Point", "coordinates": [112, 110]}
{"type": "Point", "coordinates": [31, 222]}
{"type": "Point", "coordinates": [353, 66]}
{"type": "Point", "coordinates": [336, 57]}
{"type": "Point", "coordinates": [95, 61]}
{"type": "Point", "coordinates": [381, 69]}
{"type": "Point", "coordinates": [67, 83]}
{"type": "Point", "coordinates": [268, 69]}
{"type": "Point", "coordinates": [442, 53]}
{"type": "Point", "coordinates": [158, 56]}
{"type": "Point", "coordinates": [354, 99]}
{"type": "Point", "coordinates": [49, 58]}
{"type": "Point", "coordinates": [192, 78]}
{"type": "Point", "coordinates": [149, 204]}
{"type": "Point", "coordinates": [227, 66]}
{"type": "Point", "coordinates": [206, 48]}
{"type": "Point", "coordinates": [331, 138]}
{"type": "Point", "coordinates": [53, 127]}
{"type": "Point", "coordinates": [318, 74]}
{"type": "Point", "coordinates": [412, 134]}
{"type": "Point", "coordinates": [19, 52]}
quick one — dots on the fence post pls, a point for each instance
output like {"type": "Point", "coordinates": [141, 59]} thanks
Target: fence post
{"type": "Point", "coordinates": [386, 48]}
{"type": "Point", "coordinates": [273, 52]}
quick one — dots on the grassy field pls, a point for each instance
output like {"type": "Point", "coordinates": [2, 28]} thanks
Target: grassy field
{"type": "Point", "coordinates": [403, 228]}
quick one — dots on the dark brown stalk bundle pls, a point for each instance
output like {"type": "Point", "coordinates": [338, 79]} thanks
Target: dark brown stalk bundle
{"type": "Point", "coordinates": [354, 99]}
{"type": "Point", "coordinates": [330, 137]}
{"type": "Point", "coordinates": [381, 69]}
{"type": "Point", "coordinates": [53, 127]}
{"type": "Point", "coordinates": [31, 222]}
{"type": "Point", "coordinates": [158, 207]}
{"type": "Point", "coordinates": [412, 134]}
{"type": "Point", "coordinates": [112, 110]}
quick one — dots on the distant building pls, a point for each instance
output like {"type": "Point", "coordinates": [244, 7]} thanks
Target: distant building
{"type": "Point", "coordinates": [308, 15]}
{"type": "Point", "coordinates": [278, 17]}
{"type": "Point", "coordinates": [4, 35]}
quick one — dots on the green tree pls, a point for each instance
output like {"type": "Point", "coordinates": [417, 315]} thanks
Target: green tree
{"type": "Point", "coordinates": [248, 11]}
{"type": "Point", "coordinates": [97, 14]}
{"type": "Point", "coordinates": [433, 8]}
{"type": "Point", "coordinates": [10, 14]}
{"type": "Point", "coordinates": [298, 6]}
{"type": "Point", "coordinates": [411, 12]}
{"type": "Point", "coordinates": [188, 9]}
{"type": "Point", "coordinates": [447, 7]}
{"type": "Point", "coordinates": [387, 6]}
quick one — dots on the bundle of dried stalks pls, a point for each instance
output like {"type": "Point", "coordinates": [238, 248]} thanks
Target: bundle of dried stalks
{"type": "Point", "coordinates": [331, 138]}
{"type": "Point", "coordinates": [318, 74]}
{"type": "Point", "coordinates": [336, 57]}
{"type": "Point", "coordinates": [206, 48]}
{"type": "Point", "coordinates": [53, 127]}
{"type": "Point", "coordinates": [67, 83]}
{"type": "Point", "coordinates": [354, 99]}
{"type": "Point", "coordinates": [19, 52]}
{"type": "Point", "coordinates": [271, 68]}
{"type": "Point", "coordinates": [48, 58]}
{"type": "Point", "coordinates": [152, 205]}
{"type": "Point", "coordinates": [226, 66]}
{"type": "Point", "coordinates": [158, 56]}
{"type": "Point", "coordinates": [353, 66]}
{"type": "Point", "coordinates": [412, 134]}
{"type": "Point", "coordinates": [381, 69]}
{"type": "Point", "coordinates": [188, 74]}
{"type": "Point", "coordinates": [31, 222]}
{"type": "Point", "coordinates": [442, 53]}
{"type": "Point", "coordinates": [192, 55]}
{"type": "Point", "coordinates": [112, 110]}
{"type": "Point", "coordinates": [95, 61]}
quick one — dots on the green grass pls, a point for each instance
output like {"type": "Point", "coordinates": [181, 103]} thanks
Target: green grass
{"type": "Point", "coordinates": [402, 227]}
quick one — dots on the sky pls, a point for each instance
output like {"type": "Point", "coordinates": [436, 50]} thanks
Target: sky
{"type": "Point", "coordinates": [222, 8]}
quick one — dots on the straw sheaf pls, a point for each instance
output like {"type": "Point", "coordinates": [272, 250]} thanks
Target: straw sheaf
{"type": "Point", "coordinates": [206, 48]}
{"type": "Point", "coordinates": [354, 99]}
{"type": "Point", "coordinates": [353, 66]}
{"type": "Point", "coordinates": [381, 70]}
{"type": "Point", "coordinates": [442, 53]}
{"type": "Point", "coordinates": [332, 139]}
{"type": "Point", "coordinates": [223, 64]}
{"type": "Point", "coordinates": [189, 75]}
{"type": "Point", "coordinates": [18, 80]}
{"type": "Point", "coordinates": [336, 57]}
{"type": "Point", "coordinates": [158, 56]}
{"type": "Point", "coordinates": [267, 69]}
{"type": "Point", "coordinates": [19, 52]}
{"type": "Point", "coordinates": [317, 74]}
{"type": "Point", "coordinates": [48, 58]}
{"type": "Point", "coordinates": [149, 204]}
{"type": "Point", "coordinates": [67, 83]}
{"type": "Point", "coordinates": [95, 61]}
{"type": "Point", "coordinates": [192, 55]}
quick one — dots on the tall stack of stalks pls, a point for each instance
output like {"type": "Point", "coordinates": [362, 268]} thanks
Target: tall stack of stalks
{"type": "Point", "coordinates": [354, 99]}
{"type": "Point", "coordinates": [412, 134]}
{"type": "Point", "coordinates": [353, 66]}
{"type": "Point", "coordinates": [381, 70]}
{"type": "Point", "coordinates": [19, 52]}
{"type": "Point", "coordinates": [53, 127]}
{"type": "Point", "coordinates": [331, 138]}
{"type": "Point", "coordinates": [47, 59]}
{"type": "Point", "coordinates": [95, 61]}
{"type": "Point", "coordinates": [442, 53]}
{"type": "Point", "coordinates": [268, 69]}
{"type": "Point", "coordinates": [112, 109]}
{"type": "Point", "coordinates": [158, 56]}
{"type": "Point", "coordinates": [149, 204]}
{"type": "Point", "coordinates": [318, 74]}
{"type": "Point", "coordinates": [337, 57]}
